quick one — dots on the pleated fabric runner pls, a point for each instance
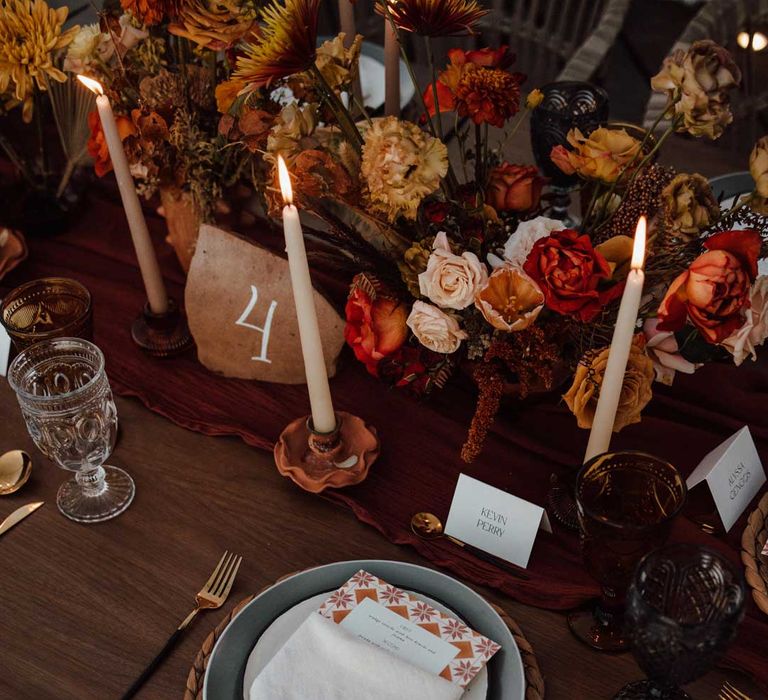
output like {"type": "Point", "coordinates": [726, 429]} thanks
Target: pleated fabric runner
{"type": "Point", "coordinates": [421, 441]}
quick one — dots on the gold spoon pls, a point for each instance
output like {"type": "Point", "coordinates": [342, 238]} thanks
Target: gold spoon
{"type": "Point", "coordinates": [15, 468]}
{"type": "Point", "coordinates": [429, 527]}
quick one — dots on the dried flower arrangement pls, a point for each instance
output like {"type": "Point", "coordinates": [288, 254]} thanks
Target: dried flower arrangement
{"type": "Point", "coordinates": [453, 264]}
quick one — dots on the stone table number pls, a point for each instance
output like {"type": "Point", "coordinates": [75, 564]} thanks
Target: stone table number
{"type": "Point", "coordinates": [241, 312]}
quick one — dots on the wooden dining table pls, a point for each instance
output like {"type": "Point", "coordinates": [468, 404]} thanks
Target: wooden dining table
{"type": "Point", "coordinates": [83, 608]}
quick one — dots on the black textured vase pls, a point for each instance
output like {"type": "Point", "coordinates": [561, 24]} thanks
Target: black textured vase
{"type": "Point", "coordinates": [566, 105]}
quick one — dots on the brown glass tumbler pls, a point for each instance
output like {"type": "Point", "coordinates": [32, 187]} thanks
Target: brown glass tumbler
{"type": "Point", "coordinates": [53, 307]}
{"type": "Point", "coordinates": [625, 503]}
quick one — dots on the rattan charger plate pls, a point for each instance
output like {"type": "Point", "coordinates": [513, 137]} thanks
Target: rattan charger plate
{"type": "Point", "coordinates": [756, 564]}
{"type": "Point", "coordinates": [534, 689]}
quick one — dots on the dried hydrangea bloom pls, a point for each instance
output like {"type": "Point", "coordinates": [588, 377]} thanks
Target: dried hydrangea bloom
{"type": "Point", "coordinates": [401, 165]}
{"type": "Point", "coordinates": [687, 206]}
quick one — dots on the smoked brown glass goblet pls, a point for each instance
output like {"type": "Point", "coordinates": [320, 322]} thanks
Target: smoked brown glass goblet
{"type": "Point", "coordinates": [683, 609]}
{"type": "Point", "coordinates": [625, 502]}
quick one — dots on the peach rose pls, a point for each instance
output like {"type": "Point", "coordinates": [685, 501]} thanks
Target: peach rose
{"type": "Point", "coordinates": [514, 187]}
{"type": "Point", "coordinates": [714, 291]}
{"type": "Point", "coordinates": [635, 392]}
{"type": "Point", "coordinates": [600, 156]}
{"type": "Point", "coordinates": [451, 281]}
{"type": "Point", "coordinates": [511, 300]}
{"type": "Point", "coordinates": [742, 342]}
{"type": "Point", "coordinates": [435, 329]}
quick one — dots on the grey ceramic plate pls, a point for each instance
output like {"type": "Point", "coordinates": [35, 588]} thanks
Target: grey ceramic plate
{"type": "Point", "coordinates": [226, 667]}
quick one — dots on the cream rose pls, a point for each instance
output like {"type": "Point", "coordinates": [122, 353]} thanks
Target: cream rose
{"type": "Point", "coordinates": [743, 341]}
{"type": "Point", "coordinates": [435, 329]}
{"type": "Point", "coordinates": [519, 244]}
{"type": "Point", "coordinates": [452, 281]}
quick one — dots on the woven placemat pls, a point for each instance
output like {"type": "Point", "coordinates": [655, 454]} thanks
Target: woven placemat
{"type": "Point", "coordinates": [534, 689]}
{"type": "Point", "coordinates": [756, 564]}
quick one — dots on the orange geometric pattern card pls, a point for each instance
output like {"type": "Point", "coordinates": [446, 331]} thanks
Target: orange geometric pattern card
{"type": "Point", "coordinates": [473, 650]}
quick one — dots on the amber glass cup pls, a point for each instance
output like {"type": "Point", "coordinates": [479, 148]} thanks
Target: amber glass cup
{"type": "Point", "coordinates": [53, 307]}
{"type": "Point", "coordinates": [625, 503]}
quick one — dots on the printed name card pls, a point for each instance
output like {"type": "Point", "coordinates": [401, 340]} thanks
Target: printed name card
{"type": "Point", "coordinates": [495, 521]}
{"type": "Point", "coordinates": [734, 474]}
{"type": "Point", "coordinates": [5, 350]}
{"type": "Point", "coordinates": [386, 617]}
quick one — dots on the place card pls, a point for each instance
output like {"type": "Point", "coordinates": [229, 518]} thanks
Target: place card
{"type": "Point", "coordinates": [411, 629]}
{"type": "Point", "coordinates": [495, 521]}
{"type": "Point", "coordinates": [5, 351]}
{"type": "Point", "coordinates": [734, 474]}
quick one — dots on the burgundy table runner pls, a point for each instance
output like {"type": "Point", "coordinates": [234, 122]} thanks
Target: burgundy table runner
{"type": "Point", "coordinates": [420, 459]}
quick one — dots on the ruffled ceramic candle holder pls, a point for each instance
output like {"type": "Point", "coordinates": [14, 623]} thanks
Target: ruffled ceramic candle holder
{"type": "Point", "coordinates": [316, 461]}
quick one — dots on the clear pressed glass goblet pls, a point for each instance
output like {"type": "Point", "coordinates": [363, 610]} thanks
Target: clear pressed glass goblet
{"type": "Point", "coordinates": [625, 502]}
{"type": "Point", "coordinates": [67, 404]}
{"type": "Point", "coordinates": [683, 609]}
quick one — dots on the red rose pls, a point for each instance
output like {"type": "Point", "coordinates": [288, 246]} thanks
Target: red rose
{"type": "Point", "coordinates": [714, 291]}
{"type": "Point", "coordinates": [374, 329]}
{"type": "Point", "coordinates": [569, 271]}
{"type": "Point", "coordinates": [97, 145]}
{"type": "Point", "coordinates": [514, 187]}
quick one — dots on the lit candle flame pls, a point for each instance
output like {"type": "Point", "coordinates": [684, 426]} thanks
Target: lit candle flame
{"type": "Point", "coordinates": [285, 180]}
{"type": "Point", "coordinates": [91, 84]}
{"type": "Point", "coordinates": [638, 249]}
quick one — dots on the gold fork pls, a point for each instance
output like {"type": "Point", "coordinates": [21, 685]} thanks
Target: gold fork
{"type": "Point", "coordinates": [731, 692]}
{"type": "Point", "coordinates": [212, 595]}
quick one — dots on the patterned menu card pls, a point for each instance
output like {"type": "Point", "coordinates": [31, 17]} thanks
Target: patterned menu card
{"type": "Point", "coordinates": [389, 618]}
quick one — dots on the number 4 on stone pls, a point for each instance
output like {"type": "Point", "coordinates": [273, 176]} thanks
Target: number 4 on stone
{"type": "Point", "coordinates": [264, 330]}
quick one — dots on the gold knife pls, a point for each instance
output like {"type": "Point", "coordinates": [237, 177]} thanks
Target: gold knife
{"type": "Point", "coordinates": [18, 515]}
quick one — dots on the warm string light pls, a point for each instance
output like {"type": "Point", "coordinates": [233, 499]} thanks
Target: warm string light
{"type": "Point", "coordinates": [758, 40]}
{"type": "Point", "coordinates": [91, 84]}
{"type": "Point", "coordinates": [285, 180]}
{"type": "Point", "coordinates": [638, 248]}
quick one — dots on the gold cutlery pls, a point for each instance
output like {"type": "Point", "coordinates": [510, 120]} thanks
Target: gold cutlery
{"type": "Point", "coordinates": [429, 527]}
{"type": "Point", "coordinates": [731, 692]}
{"type": "Point", "coordinates": [212, 596]}
{"type": "Point", "coordinates": [18, 515]}
{"type": "Point", "coordinates": [15, 468]}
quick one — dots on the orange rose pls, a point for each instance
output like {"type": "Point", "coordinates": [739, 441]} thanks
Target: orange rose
{"type": "Point", "coordinates": [713, 292]}
{"type": "Point", "coordinates": [602, 155]}
{"type": "Point", "coordinates": [97, 145]}
{"type": "Point", "coordinates": [514, 187]}
{"type": "Point", "coordinates": [375, 328]}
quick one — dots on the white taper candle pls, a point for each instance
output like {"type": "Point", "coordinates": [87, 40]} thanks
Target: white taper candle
{"type": "Point", "coordinates": [323, 418]}
{"type": "Point", "coordinates": [145, 253]}
{"type": "Point", "coordinates": [621, 343]}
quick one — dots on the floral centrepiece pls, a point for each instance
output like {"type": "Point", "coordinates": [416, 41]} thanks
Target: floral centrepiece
{"type": "Point", "coordinates": [452, 265]}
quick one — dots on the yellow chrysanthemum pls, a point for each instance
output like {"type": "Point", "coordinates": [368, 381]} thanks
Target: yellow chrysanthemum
{"type": "Point", "coordinates": [401, 165]}
{"type": "Point", "coordinates": [29, 34]}
{"type": "Point", "coordinates": [288, 44]}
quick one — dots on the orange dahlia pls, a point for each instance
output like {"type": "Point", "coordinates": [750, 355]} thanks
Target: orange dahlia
{"type": "Point", "coordinates": [477, 84]}
{"type": "Point", "coordinates": [434, 17]}
{"type": "Point", "coordinates": [287, 45]}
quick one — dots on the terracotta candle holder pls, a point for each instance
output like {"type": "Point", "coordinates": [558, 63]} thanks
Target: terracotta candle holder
{"type": "Point", "coordinates": [316, 461]}
{"type": "Point", "coordinates": [162, 335]}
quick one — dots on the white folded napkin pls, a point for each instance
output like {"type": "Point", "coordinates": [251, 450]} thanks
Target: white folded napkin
{"type": "Point", "coordinates": [322, 661]}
